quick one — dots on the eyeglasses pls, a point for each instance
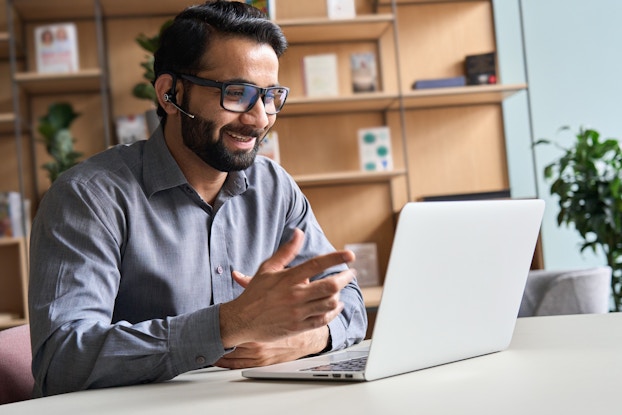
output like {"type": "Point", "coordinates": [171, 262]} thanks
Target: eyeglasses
{"type": "Point", "coordinates": [241, 97]}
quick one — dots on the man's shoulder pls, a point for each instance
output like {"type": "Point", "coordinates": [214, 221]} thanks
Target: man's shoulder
{"type": "Point", "coordinates": [265, 166]}
{"type": "Point", "coordinates": [117, 163]}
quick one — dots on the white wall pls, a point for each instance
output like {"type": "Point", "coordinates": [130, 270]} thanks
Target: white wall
{"type": "Point", "coordinates": [573, 65]}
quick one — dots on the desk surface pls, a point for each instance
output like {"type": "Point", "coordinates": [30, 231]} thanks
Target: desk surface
{"type": "Point", "coordinates": [564, 365]}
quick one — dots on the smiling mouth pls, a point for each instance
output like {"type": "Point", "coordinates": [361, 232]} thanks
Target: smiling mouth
{"type": "Point", "coordinates": [241, 138]}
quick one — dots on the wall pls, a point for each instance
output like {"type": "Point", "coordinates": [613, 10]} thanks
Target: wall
{"type": "Point", "coordinates": [573, 68]}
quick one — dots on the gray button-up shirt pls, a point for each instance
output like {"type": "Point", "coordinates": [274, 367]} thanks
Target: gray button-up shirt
{"type": "Point", "coordinates": [128, 266]}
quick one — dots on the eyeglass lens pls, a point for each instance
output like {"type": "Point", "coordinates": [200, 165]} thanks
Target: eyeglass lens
{"type": "Point", "coordinates": [241, 98]}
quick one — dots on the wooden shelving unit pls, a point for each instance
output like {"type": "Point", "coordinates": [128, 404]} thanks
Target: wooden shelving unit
{"type": "Point", "coordinates": [444, 141]}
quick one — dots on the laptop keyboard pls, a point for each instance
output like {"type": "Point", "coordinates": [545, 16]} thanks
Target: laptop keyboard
{"type": "Point", "coordinates": [352, 365]}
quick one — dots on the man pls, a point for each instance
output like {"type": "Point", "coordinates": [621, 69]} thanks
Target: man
{"type": "Point", "coordinates": [142, 256]}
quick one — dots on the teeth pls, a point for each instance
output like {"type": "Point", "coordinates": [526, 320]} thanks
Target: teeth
{"type": "Point", "coordinates": [241, 138]}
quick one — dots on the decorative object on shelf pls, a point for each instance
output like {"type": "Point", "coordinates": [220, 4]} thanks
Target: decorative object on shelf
{"type": "Point", "coordinates": [56, 48]}
{"type": "Point", "coordinates": [587, 178]}
{"type": "Point", "coordinates": [58, 140]}
{"type": "Point", "coordinates": [340, 9]}
{"type": "Point", "coordinates": [481, 69]}
{"type": "Point", "coordinates": [11, 219]}
{"type": "Point", "coordinates": [365, 264]}
{"type": "Point", "coordinates": [440, 82]}
{"type": "Point", "coordinates": [131, 128]}
{"type": "Point", "coordinates": [375, 149]}
{"type": "Point", "coordinates": [268, 7]}
{"type": "Point", "coordinates": [364, 73]}
{"type": "Point", "coordinates": [320, 75]}
{"type": "Point", "coordinates": [269, 146]}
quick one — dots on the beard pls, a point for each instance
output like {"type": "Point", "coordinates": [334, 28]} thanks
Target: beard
{"type": "Point", "coordinates": [198, 133]}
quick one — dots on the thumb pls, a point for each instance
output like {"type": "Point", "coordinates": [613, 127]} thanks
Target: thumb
{"type": "Point", "coordinates": [285, 254]}
{"type": "Point", "coordinates": [241, 279]}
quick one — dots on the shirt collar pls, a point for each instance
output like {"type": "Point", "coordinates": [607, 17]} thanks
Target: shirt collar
{"type": "Point", "coordinates": [161, 171]}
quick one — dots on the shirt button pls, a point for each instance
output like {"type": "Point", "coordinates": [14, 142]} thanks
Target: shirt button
{"type": "Point", "coordinates": [200, 360]}
{"type": "Point", "coordinates": [219, 270]}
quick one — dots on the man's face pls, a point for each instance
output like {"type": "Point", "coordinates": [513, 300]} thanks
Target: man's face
{"type": "Point", "coordinates": [225, 140]}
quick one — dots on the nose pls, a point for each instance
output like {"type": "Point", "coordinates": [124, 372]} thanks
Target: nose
{"type": "Point", "coordinates": [257, 116]}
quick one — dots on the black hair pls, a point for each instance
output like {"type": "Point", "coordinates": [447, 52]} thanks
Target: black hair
{"type": "Point", "coordinates": [184, 42]}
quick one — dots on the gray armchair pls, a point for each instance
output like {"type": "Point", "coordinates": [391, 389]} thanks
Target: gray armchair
{"type": "Point", "coordinates": [566, 292]}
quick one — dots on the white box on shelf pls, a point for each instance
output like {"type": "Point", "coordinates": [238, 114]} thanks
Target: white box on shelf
{"type": "Point", "coordinates": [365, 264]}
{"type": "Point", "coordinates": [131, 128]}
{"type": "Point", "coordinates": [341, 9]}
{"type": "Point", "coordinates": [320, 75]}
{"type": "Point", "coordinates": [375, 149]}
{"type": "Point", "coordinates": [12, 215]}
{"type": "Point", "coordinates": [56, 48]}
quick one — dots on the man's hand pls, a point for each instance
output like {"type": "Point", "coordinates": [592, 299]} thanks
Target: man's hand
{"type": "Point", "coordinates": [280, 302]}
{"type": "Point", "coordinates": [262, 354]}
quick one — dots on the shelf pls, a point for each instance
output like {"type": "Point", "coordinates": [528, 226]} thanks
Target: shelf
{"type": "Point", "coordinates": [124, 8]}
{"type": "Point", "coordinates": [7, 124]}
{"type": "Point", "coordinates": [367, 101]}
{"type": "Point", "coordinates": [87, 80]}
{"type": "Point", "coordinates": [365, 27]}
{"type": "Point", "coordinates": [465, 95]}
{"type": "Point", "coordinates": [7, 241]}
{"type": "Point", "coordinates": [42, 10]}
{"type": "Point", "coordinates": [403, 2]}
{"type": "Point", "coordinates": [371, 296]}
{"type": "Point", "coordinates": [348, 177]}
{"type": "Point", "coordinates": [7, 322]}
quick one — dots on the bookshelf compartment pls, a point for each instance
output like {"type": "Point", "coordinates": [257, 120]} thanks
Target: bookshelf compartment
{"type": "Point", "coordinates": [13, 282]}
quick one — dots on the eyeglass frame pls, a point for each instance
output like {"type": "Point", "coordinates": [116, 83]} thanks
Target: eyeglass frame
{"type": "Point", "coordinates": [223, 85]}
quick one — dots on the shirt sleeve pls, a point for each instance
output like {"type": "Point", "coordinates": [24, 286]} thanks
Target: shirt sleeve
{"type": "Point", "coordinates": [350, 326]}
{"type": "Point", "coordinates": [76, 249]}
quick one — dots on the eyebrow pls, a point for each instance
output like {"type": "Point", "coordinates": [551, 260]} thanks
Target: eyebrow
{"type": "Point", "coordinates": [246, 81]}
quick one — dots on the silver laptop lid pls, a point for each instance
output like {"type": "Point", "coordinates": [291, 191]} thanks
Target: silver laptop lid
{"type": "Point", "coordinates": [454, 282]}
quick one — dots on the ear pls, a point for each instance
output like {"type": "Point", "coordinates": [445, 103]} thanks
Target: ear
{"type": "Point", "coordinates": [163, 86]}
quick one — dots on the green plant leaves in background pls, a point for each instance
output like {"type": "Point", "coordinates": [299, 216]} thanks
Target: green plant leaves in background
{"type": "Point", "coordinates": [57, 138]}
{"type": "Point", "coordinates": [587, 179]}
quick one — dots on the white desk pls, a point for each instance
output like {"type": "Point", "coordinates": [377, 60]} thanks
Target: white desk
{"type": "Point", "coordinates": [555, 365]}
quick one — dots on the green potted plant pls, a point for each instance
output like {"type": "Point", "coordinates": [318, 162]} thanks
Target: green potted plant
{"type": "Point", "coordinates": [57, 138]}
{"type": "Point", "coordinates": [144, 89]}
{"type": "Point", "coordinates": [587, 178]}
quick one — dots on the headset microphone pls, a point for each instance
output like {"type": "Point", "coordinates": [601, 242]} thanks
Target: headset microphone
{"type": "Point", "coordinates": [168, 98]}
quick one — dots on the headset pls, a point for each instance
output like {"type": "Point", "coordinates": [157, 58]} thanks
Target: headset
{"type": "Point", "coordinates": [170, 97]}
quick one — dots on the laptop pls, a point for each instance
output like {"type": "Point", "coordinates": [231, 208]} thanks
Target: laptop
{"type": "Point", "coordinates": [453, 287]}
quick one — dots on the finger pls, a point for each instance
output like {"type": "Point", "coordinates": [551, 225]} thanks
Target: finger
{"type": "Point", "coordinates": [285, 254]}
{"type": "Point", "coordinates": [317, 265]}
{"type": "Point", "coordinates": [331, 285]}
{"type": "Point", "coordinates": [241, 279]}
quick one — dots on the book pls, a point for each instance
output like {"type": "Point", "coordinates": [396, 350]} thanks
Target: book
{"type": "Point", "coordinates": [320, 75]}
{"type": "Point", "coordinates": [340, 9]}
{"type": "Point", "coordinates": [440, 82]}
{"type": "Point", "coordinates": [364, 74]}
{"type": "Point", "coordinates": [131, 128]}
{"type": "Point", "coordinates": [480, 69]}
{"type": "Point", "coordinates": [268, 7]}
{"type": "Point", "coordinates": [56, 48]}
{"type": "Point", "coordinates": [269, 146]}
{"type": "Point", "coordinates": [11, 217]}
{"type": "Point", "coordinates": [375, 149]}
{"type": "Point", "coordinates": [365, 264]}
